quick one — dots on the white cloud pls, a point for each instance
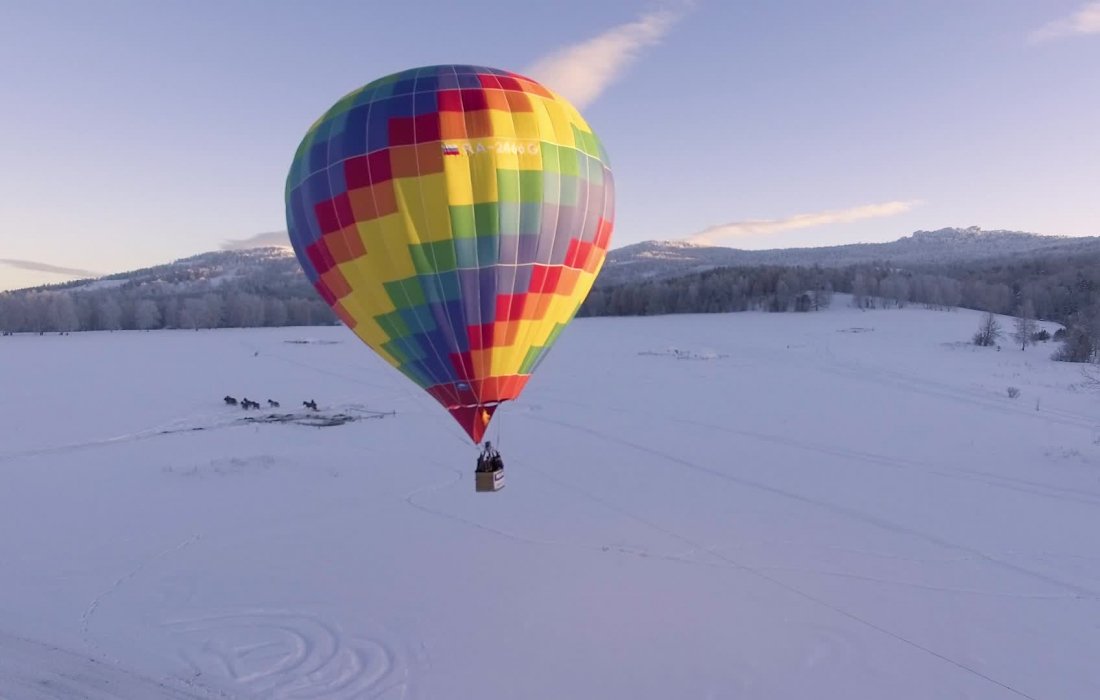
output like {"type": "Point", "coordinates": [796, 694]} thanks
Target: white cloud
{"type": "Point", "coordinates": [34, 266]}
{"type": "Point", "coordinates": [763, 227]}
{"type": "Point", "coordinates": [581, 72]}
{"type": "Point", "coordinates": [278, 239]}
{"type": "Point", "coordinates": [1086, 20]}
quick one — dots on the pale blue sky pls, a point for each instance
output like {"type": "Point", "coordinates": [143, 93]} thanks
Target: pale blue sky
{"type": "Point", "coordinates": [137, 132]}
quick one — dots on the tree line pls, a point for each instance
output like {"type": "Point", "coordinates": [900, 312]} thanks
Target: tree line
{"type": "Point", "coordinates": [43, 311]}
{"type": "Point", "coordinates": [768, 288]}
{"type": "Point", "coordinates": [226, 289]}
{"type": "Point", "coordinates": [1060, 288]}
{"type": "Point", "coordinates": [247, 289]}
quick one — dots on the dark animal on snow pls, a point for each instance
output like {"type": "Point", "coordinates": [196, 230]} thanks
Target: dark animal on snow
{"type": "Point", "coordinates": [272, 404]}
{"type": "Point", "coordinates": [312, 405]}
{"type": "Point", "coordinates": [229, 400]}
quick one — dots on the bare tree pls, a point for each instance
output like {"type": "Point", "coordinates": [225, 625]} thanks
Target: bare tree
{"type": "Point", "coordinates": [988, 332]}
{"type": "Point", "coordinates": [1025, 325]}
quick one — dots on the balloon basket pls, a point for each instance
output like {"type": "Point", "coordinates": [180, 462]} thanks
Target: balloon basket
{"type": "Point", "coordinates": [489, 481]}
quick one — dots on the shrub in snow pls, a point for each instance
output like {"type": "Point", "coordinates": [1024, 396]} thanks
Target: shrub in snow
{"type": "Point", "coordinates": [988, 332]}
{"type": "Point", "coordinates": [1077, 346]}
{"type": "Point", "coordinates": [1013, 392]}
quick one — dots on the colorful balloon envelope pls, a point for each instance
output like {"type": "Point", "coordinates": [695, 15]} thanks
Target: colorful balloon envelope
{"type": "Point", "coordinates": [454, 217]}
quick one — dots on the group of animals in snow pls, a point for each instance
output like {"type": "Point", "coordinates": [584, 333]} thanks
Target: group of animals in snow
{"type": "Point", "coordinates": [248, 404]}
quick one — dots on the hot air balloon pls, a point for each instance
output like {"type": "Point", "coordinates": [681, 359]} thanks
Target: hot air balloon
{"type": "Point", "coordinates": [454, 217]}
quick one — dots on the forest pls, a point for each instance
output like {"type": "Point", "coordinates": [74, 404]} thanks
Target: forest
{"type": "Point", "coordinates": [251, 291]}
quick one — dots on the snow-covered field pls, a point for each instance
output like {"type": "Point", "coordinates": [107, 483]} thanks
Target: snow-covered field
{"type": "Point", "coordinates": [837, 505]}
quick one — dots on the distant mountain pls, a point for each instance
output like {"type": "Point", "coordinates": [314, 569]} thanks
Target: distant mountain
{"type": "Point", "coordinates": [266, 286]}
{"type": "Point", "coordinates": [252, 287]}
{"type": "Point", "coordinates": [275, 269]}
{"type": "Point", "coordinates": [663, 259]}
{"type": "Point", "coordinates": [264, 267]}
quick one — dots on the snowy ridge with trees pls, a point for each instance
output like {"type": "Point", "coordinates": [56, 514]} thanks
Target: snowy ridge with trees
{"type": "Point", "coordinates": [1048, 284]}
{"type": "Point", "coordinates": [661, 259]}
{"type": "Point", "coordinates": [995, 271]}
{"type": "Point", "coordinates": [240, 289]}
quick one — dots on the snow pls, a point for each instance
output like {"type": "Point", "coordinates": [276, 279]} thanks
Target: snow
{"type": "Point", "coordinates": [843, 504]}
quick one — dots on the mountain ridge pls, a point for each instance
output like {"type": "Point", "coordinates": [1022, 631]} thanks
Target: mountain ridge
{"type": "Point", "coordinates": [662, 259]}
{"type": "Point", "coordinates": [654, 258]}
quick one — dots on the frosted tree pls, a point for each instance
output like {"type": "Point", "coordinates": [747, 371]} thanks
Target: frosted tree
{"type": "Point", "coordinates": [950, 292]}
{"type": "Point", "coordinates": [108, 314]}
{"type": "Point", "coordinates": [1082, 338]}
{"type": "Point", "coordinates": [895, 288]}
{"type": "Point", "coordinates": [274, 312]}
{"type": "Point", "coordinates": [1024, 325]}
{"type": "Point", "coordinates": [823, 297]}
{"type": "Point", "coordinates": [988, 332]}
{"type": "Point", "coordinates": [244, 310]}
{"type": "Point", "coordinates": [783, 295]}
{"type": "Point", "coordinates": [298, 312]}
{"type": "Point", "coordinates": [215, 311]}
{"type": "Point", "coordinates": [864, 287]}
{"type": "Point", "coordinates": [170, 312]}
{"type": "Point", "coordinates": [60, 310]}
{"type": "Point", "coordinates": [12, 313]}
{"type": "Point", "coordinates": [194, 314]}
{"type": "Point", "coordinates": [146, 315]}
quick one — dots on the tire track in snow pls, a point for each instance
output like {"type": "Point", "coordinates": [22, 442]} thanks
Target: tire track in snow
{"type": "Point", "coordinates": [913, 584]}
{"type": "Point", "coordinates": [288, 654]}
{"type": "Point", "coordinates": [851, 513]}
{"type": "Point", "coordinates": [1036, 487]}
{"type": "Point", "coordinates": [715, 551]}
{"type": "Point", "coordinates": [686, 558]}
{"type": "Point", "coordinates": [901, 463]}
{"type": "Point", "coordinates": [207, 422]}
{"type": "Point", "coordinates": [907, 382]}
{"type": "Point", "coordinates": [33, 670]}
{"type": "Point", "coordinates": [89, 612]}
{"type": "Point", "coordinates": [605, 548]}
{"type": "Point", "coordinates": [762, 574]}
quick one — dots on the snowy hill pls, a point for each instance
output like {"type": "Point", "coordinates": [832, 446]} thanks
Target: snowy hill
{"type": "Point", "coordinates": [278, 267]}
{"type": "Point", "coordinates": [266, 287]}
{"type": "Point", "coordinates": [204, 271]}
{"type": "Point", "coordinates": [845, 504]}
{"type": "Point", "coordinates": [239, 288]}
{"type": "Point", "coordinates": [656, 259]}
